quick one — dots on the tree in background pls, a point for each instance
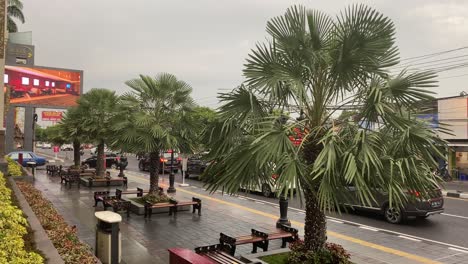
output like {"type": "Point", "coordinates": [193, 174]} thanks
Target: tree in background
{"type": "Point", "coordinates": [71, 126]}
{"type": "Point", "coordinates": [311, 62]}
{"type": "Point", "coordinates": [14, 11]}
{"type": "Point", "coordinates": [154, 118]}
{"type": "Point", "coordinates": [98, 109]}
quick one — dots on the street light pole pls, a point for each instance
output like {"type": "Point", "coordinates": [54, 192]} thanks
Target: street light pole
{"type": "Point", "coordinates": [3, 43]}
{"type": "Point", "coordinates": [171, 188]}
{"type": "Point", "coordinates": [283, 220]}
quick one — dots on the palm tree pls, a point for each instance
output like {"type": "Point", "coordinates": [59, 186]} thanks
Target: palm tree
{"type": "Point", "coordinates": [98, 110]}
{"type": "Point", "coordinates": [14, 11]}
{"type": "Point", "coordinates": [315, 65]}
{"type": "Point", "coordinates": [72, 130]}
{"type": "Point", "coordinates": [154, 119]}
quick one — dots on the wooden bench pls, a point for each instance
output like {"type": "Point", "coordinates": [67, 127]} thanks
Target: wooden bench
{"type": "Point", "coordinates": [70, 178]}
{"type": "Point", "coordinates": [100, 196]}
{"type": "Point", "coordinates": [217, 253]}
{"type": "Point", "coordinates": [187, 256]}
{"type": "Point", "coordinates": [173, 205]}
{"type": "Point", "coordinates": [107, 181]}
{"type": "Point", "coordinates": [116, 204]}
{"type": "Point", "coordinates": [260, 239]}
{"type": "Point", "coordinates": [139, 192]}
{"type": "Point", "coordinates": [52, 169]}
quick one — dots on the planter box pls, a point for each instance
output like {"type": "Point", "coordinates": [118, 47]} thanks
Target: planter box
{"type": "Point", "coordinates": [84, 182]}
{"type": "Point", "coordinates": [139, 209]}
{"type": "Point", "coordinates": [255, 258]}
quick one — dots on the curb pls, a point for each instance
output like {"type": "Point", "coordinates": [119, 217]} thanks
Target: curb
{"type": "Point", "coordinates": [455, 194]}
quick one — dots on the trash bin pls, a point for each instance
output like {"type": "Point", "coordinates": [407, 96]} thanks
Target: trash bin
{"type": "Point", "coordinates": [108, 238]}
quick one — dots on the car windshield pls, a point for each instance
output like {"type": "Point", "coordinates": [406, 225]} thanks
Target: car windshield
{"type": "Point", "coordinates": [168, 155]}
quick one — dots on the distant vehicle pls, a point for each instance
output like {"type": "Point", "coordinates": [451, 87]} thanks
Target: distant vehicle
{"type": "Point", "coordinates": [196, 165]}
{"type": "Point", "coordinates": [66, 147]}
{"type": "Point", "coordinates": [39, 144]}
{"type": "Point", "coordinates": [164, 161]}
{"type": "Point", "coordinates": [415, 207]}
{"type": "Point", "coordinates": [112, 160]}
{"type": "Point", "coordinates": [27, 157]}
{"type": "Point", "coordinates": [46, 146]}
{"type": "Point", "coordinates": [94, 150]}
{"type": "Point", "coordinates": [266, 189]}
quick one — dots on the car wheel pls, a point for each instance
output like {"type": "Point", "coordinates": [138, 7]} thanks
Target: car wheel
{"type": "Point", "coordinates": [393, 215]}
{"type": "Point", "coordinates": [141, 167]}
{"type": "Point", "coordinates": [266, 190]}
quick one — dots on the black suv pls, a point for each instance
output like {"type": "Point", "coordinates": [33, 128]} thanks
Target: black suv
{"type": "Point", "coordinates": [196, 165]}
{"type": "Point", "coordinates": [164, 161]}
{"type": "Point", "coordinates": [415, 207]}
{"type": "Point", "coordinates": [112, 161]}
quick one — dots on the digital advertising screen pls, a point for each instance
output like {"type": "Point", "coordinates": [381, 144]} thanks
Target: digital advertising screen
{"type": "Point", "coordinates": [43, 86]}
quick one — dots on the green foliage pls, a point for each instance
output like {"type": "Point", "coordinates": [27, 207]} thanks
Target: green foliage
{"type": "Point", "coordinates": [14, 11]}
{"type": "Point", "coordinates": [281, 258]}
{"type": "Point", "coordinates": [153, 198]}
{"type": "Point", "coordinates": [63, 236]}
{"type": "Point", "coordinates": [330, 254]}
{"type": "Point", "coordinates": [14, 169]}
{"type": "Point", "coordinates": [12, 229]}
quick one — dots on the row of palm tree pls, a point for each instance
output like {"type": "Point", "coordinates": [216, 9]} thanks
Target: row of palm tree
{"type": "Point", "coordinates": [157, 114]}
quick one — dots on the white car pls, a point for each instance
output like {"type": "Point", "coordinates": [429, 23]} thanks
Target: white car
{"type": "Point", "coordinates": [39, 144]}
{"type": "Point", "coordinates": [46, 146]}
{"type": "Point", "coordinates": [94, 150]}
{"type": "Point", "coordinates": [66, 147]}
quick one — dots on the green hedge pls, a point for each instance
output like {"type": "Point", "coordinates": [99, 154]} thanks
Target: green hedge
{"type": "Point", "coordinates": [14, 169]}
{"type": "Point", "coordinates": [12, 229]}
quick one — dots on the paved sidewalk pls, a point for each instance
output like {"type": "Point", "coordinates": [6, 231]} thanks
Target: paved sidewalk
{"type": "Point", "coordinates": [457, 189]}
{"type": "Point", "coordinates": [146, 241]}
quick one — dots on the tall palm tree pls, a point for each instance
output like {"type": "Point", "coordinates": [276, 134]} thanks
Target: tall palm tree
{"type": "Point", "coordinates": [14, 11]}
{"type": "Point", "coordinates": [72, 129]}
{"type": "Point", "coordinates": [98, 110]}
{"type": "Point", "coordinates": [315, 64]}
{"type": "Point", "coordinates": [154, 119]}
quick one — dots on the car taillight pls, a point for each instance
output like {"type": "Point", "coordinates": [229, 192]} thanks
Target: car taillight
{"type": "Point", "coordinates": [163, 160]}
{"type": "Point", "coordinates": [179, 159]}
{"type": "Point", "coordinates": [274, 176]}
{"type": "Point", "coordinates": [415, 193]}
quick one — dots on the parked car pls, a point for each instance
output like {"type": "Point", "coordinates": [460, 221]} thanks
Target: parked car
{"type": "Point", "coordinates": [415, 207]}
{"type": "Point", "coordinates": [112, 161]}
{"type": "Point", "coordinates": [39, 144]}
{"type": "Point", "coordinates": [66, 147]}
{"type": "Point", "coordinates": [164, 161]}
{"type": "Point", "coordinates": [46, 146]}
{"type": "Point", "coordinates": [27, 157]}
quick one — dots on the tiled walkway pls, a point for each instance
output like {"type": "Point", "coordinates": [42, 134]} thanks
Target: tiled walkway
{"type": "Point", "coordinates": [146, 241]}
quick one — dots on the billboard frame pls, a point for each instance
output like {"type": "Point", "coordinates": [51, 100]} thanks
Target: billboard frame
{"type": "Point", "coordinates": [50, 68]}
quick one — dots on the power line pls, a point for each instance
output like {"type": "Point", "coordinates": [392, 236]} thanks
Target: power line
{"type": "Point", "coordinates": [435, 54]}
{"type": "Point", "coordinates": [450, 60]}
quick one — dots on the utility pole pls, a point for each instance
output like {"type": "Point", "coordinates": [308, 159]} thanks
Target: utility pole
{"type": "Point", "coordinates": [3, 43]}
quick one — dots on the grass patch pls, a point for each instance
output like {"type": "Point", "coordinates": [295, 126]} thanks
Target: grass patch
{"type": "Point", "coordinates": [281, 258]}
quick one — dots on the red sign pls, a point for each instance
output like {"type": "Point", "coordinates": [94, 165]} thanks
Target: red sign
{"type": "Point", "coordinates": [51, 116]}
{"type": "Point", "coordinates": [56, 149]}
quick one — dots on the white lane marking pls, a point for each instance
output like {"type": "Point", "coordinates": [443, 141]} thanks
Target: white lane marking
{"type": "Point", "coordinates": [410, 238]}
{"type": "Point", "coordinates": [449, 256]}
{"type": "Point", "coordinates": [452, 215]}
{"type": "Point", "coordinates": [259, 202]}
{"type": "Point", "coordinates": [385, 230]}
{"type": "Point", "coordinates": [336, 221]}
{"type": "Point", "coordinates": [459, 250]}
{"type": "Point", "coordinates": [241, 198]}
{"type": "Point", "coordinates": [369, 228]}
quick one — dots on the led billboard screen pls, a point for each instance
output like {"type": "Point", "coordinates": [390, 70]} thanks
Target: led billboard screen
{"type": "Point", "coordinates": [43, 86]}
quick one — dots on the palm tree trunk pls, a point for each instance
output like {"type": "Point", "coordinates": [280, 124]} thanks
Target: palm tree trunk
{"type": "Point", "coordinates": [315, 226]}
{"type": "Point", "coordinates": [76, 153]}
{"type": "Point", "coordinates": [100, 160]}
{"type": "Point", "coordinates": [154, 173]}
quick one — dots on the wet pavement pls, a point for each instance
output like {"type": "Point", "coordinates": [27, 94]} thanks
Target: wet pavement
{"type": "Point", "coordinates": [146, 241]}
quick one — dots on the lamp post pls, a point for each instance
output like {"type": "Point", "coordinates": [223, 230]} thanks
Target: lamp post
{"type": "Point", "coordinates": [171, 188]}
{"type": "Point", "coordinates": [283, 220]}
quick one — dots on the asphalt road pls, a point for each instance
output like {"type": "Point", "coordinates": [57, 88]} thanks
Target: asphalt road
{"type": "Point", "coordinates": [450, 227]}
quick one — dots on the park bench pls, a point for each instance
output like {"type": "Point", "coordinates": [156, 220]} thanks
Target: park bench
{"type": "Point", "coordinates": [173, 205]}
{"type": "Point", "coordinates": [70, 178]}
{"type": "Point", "coordinates": [139, 192]}
{"type": "Point", "coordinates": [260, 239]}
{"type": "Point", "coordinates": [99, 196]}
{"type": "Point", "coordinates": [52, 169]}
{"type": "Point", "coordinates": [107, 180]}
{"type": "Point", "coordinates": [116, 204]}
{"type": "Point", "coordinates": [218, 254]}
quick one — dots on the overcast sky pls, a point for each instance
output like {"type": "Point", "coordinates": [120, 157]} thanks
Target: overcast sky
{"type": "Point", "coordinates": [205, 42]}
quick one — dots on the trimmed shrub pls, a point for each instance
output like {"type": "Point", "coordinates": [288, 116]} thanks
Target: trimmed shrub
{"type": "Point", "coordinates": [330, 254]}
{"type": "Point", "coordinates": [63, 236]}
{"type": "Point", "coordinates": [12, 229]}
{"type": "Point", "coordinates": [14, 169]}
